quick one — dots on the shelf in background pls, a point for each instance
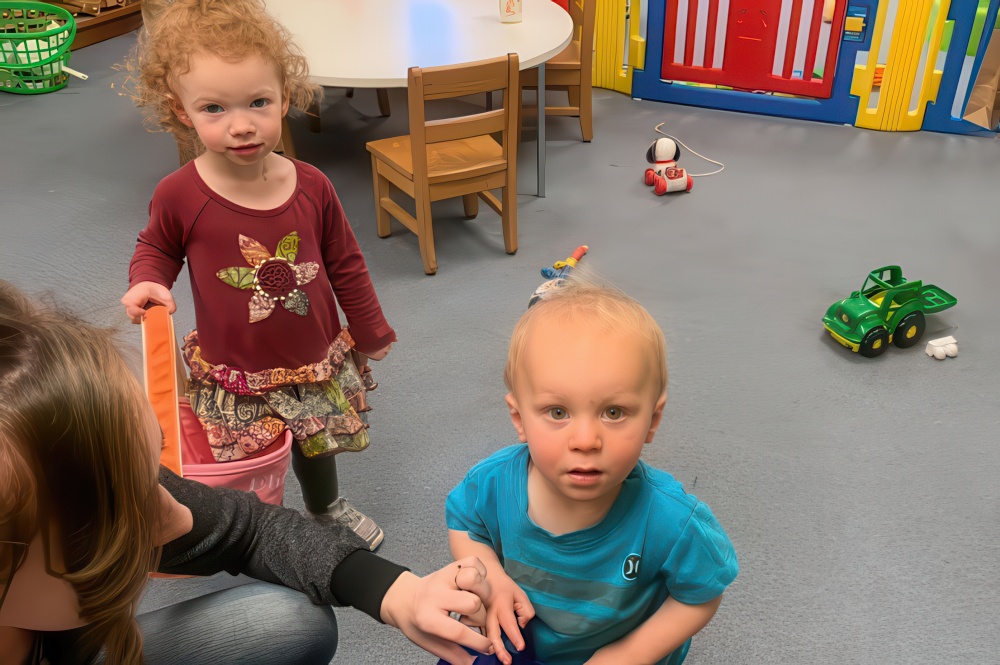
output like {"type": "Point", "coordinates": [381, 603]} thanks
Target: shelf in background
{"type": "Point", "coordinates": [107, 24]}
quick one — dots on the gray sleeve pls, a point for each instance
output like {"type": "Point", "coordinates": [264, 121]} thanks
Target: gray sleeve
{"type": "Point", "coordinates": [235, 532]}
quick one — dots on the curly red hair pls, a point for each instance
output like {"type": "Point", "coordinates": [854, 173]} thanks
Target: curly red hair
{"type": "Point", "coordinates": [230, 29]}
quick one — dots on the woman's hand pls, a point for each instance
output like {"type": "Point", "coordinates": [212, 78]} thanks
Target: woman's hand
{"type": "Point", "coordinates": [144, 293]}
{"type": "Point", "coordinates": [421, 607]}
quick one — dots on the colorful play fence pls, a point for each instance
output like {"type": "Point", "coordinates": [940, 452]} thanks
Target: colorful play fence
{"type": "Point", "coordinates": [893, 65]}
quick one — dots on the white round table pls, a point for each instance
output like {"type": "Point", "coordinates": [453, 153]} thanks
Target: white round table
{"type": "Point", "coordinates": [372, 43]}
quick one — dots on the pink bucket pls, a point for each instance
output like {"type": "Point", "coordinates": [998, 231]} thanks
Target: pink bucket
{"type": "Point", "coordinates": [263, 474]}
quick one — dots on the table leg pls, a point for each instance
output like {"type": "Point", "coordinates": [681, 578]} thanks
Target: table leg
{"type": "Point", "coordinates": [541, 130]}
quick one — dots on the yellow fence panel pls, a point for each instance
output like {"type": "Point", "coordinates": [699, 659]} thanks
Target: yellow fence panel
{"type": "Point", "coordinates": [886, 89]}
{"type": "Point", "coordinates": [616, 22]}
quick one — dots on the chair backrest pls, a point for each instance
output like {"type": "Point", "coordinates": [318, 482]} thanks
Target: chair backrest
{"type": "Point", "coordinates": [584, 15]}
{"type": "Point", "coordinates": [450, 81]}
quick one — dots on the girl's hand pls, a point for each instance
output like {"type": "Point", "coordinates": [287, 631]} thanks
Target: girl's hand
{"type": "Point", "coordinates": [381, 353]}
{"type": "Point", "coordinates": [421, 608]}
{"type": "Point", "coordinates": [142, 294]}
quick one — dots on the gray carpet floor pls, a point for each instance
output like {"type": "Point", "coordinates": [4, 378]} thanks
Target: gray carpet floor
{"type": "Point", "coordinates": [861, 495]}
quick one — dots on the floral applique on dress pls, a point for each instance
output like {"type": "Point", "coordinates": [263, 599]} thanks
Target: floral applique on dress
{"type": "Point", "coordinates": [273, 279]}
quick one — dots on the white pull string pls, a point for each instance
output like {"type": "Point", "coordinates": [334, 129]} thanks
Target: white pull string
{"type": "Point", "coordinates": [681, 143]}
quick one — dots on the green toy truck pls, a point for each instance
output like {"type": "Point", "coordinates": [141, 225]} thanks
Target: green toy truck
{"type": "Point", "coordinates": [886, 309]}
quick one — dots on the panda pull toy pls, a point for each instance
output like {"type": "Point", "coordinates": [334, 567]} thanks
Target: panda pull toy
{"type": "Point", "coordinates": [664, 174]}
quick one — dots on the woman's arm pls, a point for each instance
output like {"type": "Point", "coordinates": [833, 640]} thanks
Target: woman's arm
{"type": "Point", "coordinates": [235, 532]}
{"type": "Point", "coordinates": [670, 626]}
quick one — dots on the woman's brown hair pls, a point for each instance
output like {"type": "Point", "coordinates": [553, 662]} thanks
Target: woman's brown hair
{"type": "Point", "coordinates": [76, 446]}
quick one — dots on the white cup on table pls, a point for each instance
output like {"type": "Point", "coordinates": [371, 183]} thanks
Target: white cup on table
{"type": "Point", "coordinates": [510, 11]}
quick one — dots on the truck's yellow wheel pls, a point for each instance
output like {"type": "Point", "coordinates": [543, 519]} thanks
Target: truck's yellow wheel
{"type": "Point", "coordinates": [909, 330]}
{"type": "Point", "coordinates": [874, 342]}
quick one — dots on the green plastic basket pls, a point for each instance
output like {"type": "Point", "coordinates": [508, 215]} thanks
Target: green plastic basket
{"type": "Point", "coordinates": [34, 45]}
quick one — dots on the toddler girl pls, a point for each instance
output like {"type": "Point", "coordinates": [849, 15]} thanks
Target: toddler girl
{"type": "Point", "coordinates": [269, 250]}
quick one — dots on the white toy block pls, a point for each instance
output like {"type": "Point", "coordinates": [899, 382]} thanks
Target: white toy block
{"type": "Point", "coordinates": [942, 347]}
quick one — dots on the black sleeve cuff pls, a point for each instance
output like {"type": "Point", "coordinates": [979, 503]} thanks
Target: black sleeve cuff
{"type": "Point", "coordinates": [361, 581]}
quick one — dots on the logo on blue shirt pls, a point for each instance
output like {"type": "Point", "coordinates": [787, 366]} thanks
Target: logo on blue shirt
{"type": "Point", "coordinates": [630, 567]}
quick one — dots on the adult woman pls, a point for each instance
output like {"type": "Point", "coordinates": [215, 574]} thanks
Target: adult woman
{"type": "Point", "coordinates": [86, 513]}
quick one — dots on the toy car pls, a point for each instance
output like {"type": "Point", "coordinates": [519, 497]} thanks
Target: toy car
{"type": "Point", "coordinates": [886, 309]}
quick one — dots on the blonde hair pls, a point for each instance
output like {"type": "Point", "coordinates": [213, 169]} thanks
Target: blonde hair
{"type": "Point", "coordinates": [74, 445]}
{"type": "Point", "coordinates": [584, 296]}
{"type": "Point", "coordinates": [230, 29]}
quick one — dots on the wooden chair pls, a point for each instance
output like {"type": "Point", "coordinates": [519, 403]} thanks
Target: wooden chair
{"type": "Point", "coordinates": [570, 70]}
{"type": "Point", "coordinates": [457, 156]}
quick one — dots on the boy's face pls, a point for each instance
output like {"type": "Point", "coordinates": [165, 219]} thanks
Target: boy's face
{"type": "Point", "coordinates": [585, 401]}
{"type": "Point", "coordinates": [236, 108]}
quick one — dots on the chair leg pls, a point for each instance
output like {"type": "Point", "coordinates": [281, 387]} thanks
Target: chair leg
{"type": "Point", "coordinates": [471, 204]}
{"type": "Point", "coordinates": [509, 217]}
{"type": "Point", "coordinates": [586, 113]}
{"type": "Point", "coordinates": [383, 101]}
{"type": "Point", "coordinates": [285, 145]}
{"type": "Point", "coordinates": [381, 187]}
{"type": "Point", "coordinates": [313, 113]}
{"type": "Point", "coordinates": [520, 117]}
{"type": "Point", "coordinates": [426, 235]}
{"type": "Point", "coordinates": [574, 95]}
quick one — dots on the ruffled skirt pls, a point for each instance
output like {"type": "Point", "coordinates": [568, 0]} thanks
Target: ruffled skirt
{"type": "Point", "coordinates": [244, 412]}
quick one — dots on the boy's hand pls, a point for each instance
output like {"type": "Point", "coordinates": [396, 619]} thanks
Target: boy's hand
{"type": "Point", "coordinates": [507, 608]}
{"type": "Point", "coordinates": [142, 294]}
{"type": "Point", "coordinates": [420, 608]}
